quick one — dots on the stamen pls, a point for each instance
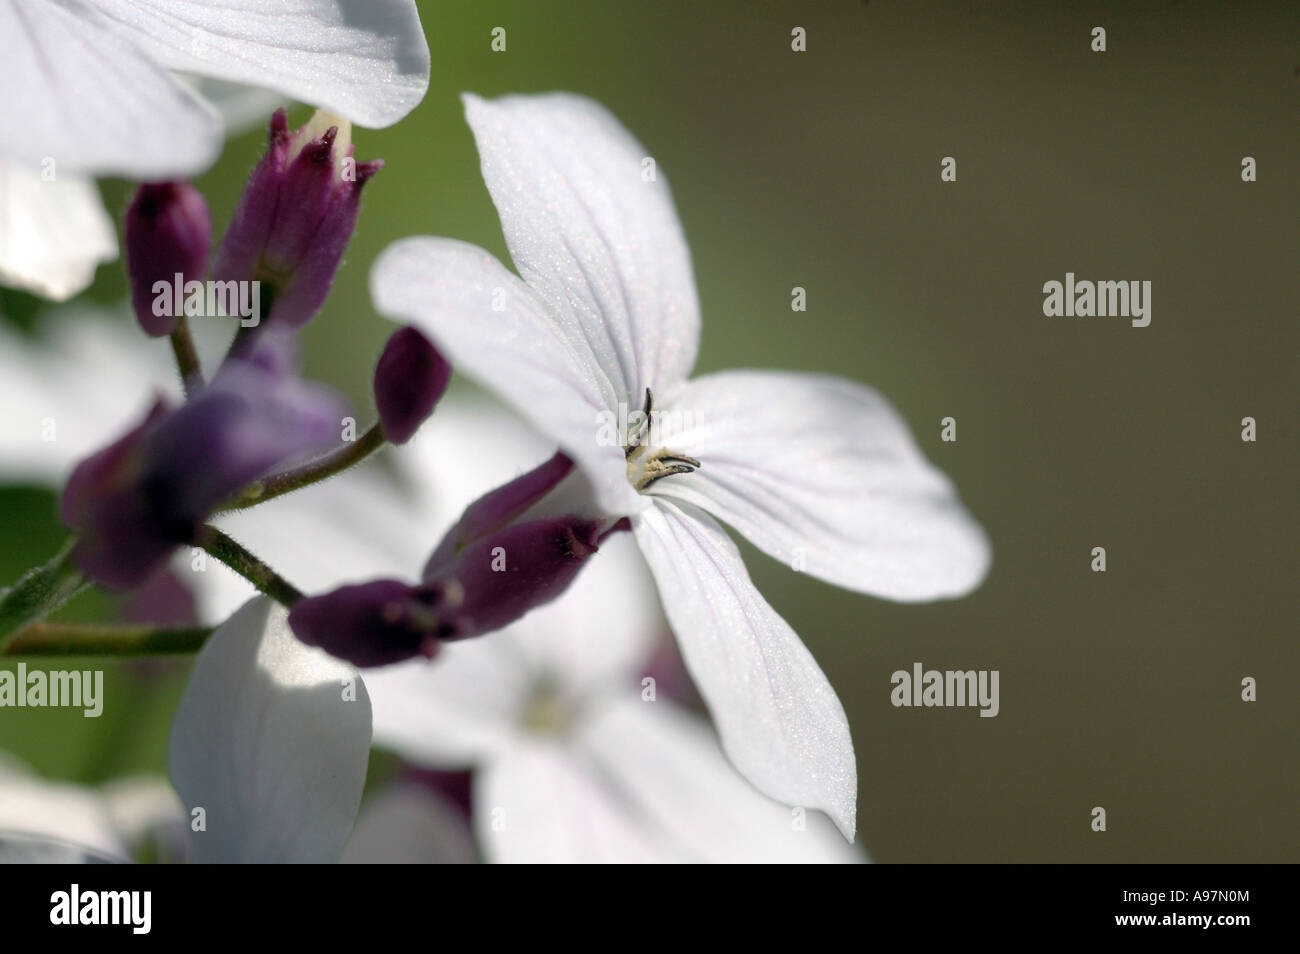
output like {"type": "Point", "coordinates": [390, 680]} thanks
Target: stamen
{"type": "Point", "coordinates": [663, 465]}
{"type": "Point", "coordinates": [644, 469]}
{"type": "Point", "coordinates": [680, 459]}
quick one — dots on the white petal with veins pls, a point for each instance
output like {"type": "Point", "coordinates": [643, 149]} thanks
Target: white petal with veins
{"type": "Point", "coordinates": [593, 232]}
{"type": "Point", "coordinates": [363, 59]}
{"type": "Point", "coordinates": [98, 97]}
{"type": "Point", "coordinates": [91, 101]}
{"type": "Point", "coordinates": [494, 328]}
{"type": "Point", "coordinates": [780, 721]}
{"type": "Point", "coordinates": [821, 473]}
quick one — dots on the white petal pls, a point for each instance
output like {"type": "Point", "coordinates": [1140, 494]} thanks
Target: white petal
{"type": "Point", "coordinates": [266, 743]}
{"type": "Point", "coordinates": [594, 232]}
{"type": "Point", "coordinates": [495, 329]}
{"type": "Point", "coordinates": [780, 721]}
{"type": "Point", "coordinates": [53, 232]}
{"type": "Point", "coordinates": [241, 107]}
{"type": "Point", "coordinates": [87, 377]}
{"type": "Point", "coordinates": [821, 473]}
{"type": "Point", "coordinates": [672, 772]}
{"type": "Point", "coordinates": [93, 102]}
{"type": "Point", "coordinates": [602, 631]}
{"type": "Point", "coordinates": [366, 60]}
{"type": "Point", "coordinates": [455, 711]}
{"type": "Point", "coordinates": [538, 805]}
{"type": "Point", "coordinates": [408, 824]}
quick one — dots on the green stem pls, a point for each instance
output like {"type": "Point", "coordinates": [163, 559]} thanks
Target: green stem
{"type": "Point", "coordinates": [333, 463]}
{"type": "Point", "coordinates": [83, 639]}
{"type": "Point", "coordinates": [235, 556]}
{"type": "Point", "coordinates": [187, 359]}
{"type": "Point", "coordinates": [39, 593]}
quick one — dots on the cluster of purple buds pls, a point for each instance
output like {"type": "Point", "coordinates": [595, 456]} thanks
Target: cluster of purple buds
{"type": "Point", "coordinates": [134, 501]}
{"type": "Point", "coordinates": [502, 559]}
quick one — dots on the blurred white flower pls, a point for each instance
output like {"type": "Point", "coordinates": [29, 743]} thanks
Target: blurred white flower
{"type": "Point", "coordinates": [819, 472]}
{"type": "Point", "coordinates": [82, 376]}
{"type": "Point", "coordinates": [93, 95]}
{"type": "Point", "coordinates": [264, 721]}
{"type": "Point", "coordinates": [49, 821]}
{"type": "Point", "coordinates": [576, 756]}
{"type": "Point", "coordinates": [407, 823]}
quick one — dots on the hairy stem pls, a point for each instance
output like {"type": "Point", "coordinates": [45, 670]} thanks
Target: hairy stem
{"type": "Point", "coordinates": [84, 639]}
{"type": "Point", "coordinates": [235, 556]}
{"type": "Point", "coordinates": [333, 463]}
{"type": "Point", "coordinates": [39, 593]}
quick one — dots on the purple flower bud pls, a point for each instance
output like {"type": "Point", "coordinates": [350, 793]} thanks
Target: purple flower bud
{"type": "Point", "coordinates": [168, 236]}
{"type": "Point", "coordinates": [491, 583]}
{"type": "Point", "coordinates": [501, 576]}
{"type": "Point", "coordinates": [295, 218]}
{"type": "Point", "coordinates": [123, 541]}
{"type": "Point", "coordinates": [410, 378]}
{"type": "Point", "coordinates": [499, 507]}
{"type": "Point", "coordinates": [370, 624]}
{"type": "Point", "coordinates": [148, 492]}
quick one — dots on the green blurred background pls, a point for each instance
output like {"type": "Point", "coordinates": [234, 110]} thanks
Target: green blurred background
{"type": "Point", "coordinates": [821, 169]}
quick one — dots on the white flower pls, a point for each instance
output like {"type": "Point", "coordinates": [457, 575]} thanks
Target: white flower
{"type": "Point", "coordinates": [819, 472]}
{"type": "Point", "coordinates": [269, 745]}
{"type": "Point", "coordinates": [92, 94]}
{"type": "Point", "coordinates": [624, 779]}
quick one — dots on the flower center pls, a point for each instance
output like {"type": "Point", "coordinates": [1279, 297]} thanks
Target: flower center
{"type": "Point", "coordinates": [548, 711]}
{"type": "Point", "coordinates": [646, 466]}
